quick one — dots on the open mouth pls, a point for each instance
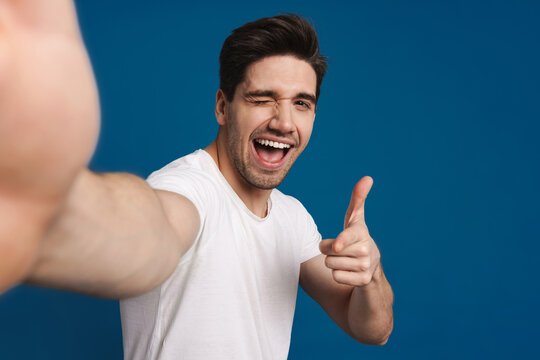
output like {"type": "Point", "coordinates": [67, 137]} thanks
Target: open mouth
{"type": "Point", "coordinates": [270, 154]}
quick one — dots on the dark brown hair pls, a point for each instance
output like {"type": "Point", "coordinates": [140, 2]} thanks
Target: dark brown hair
{"type": "Point", "coordinates": [286, 34]}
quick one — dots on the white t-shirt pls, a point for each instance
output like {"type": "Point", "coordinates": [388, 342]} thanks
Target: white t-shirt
{"type": "Point", "coordinates": [233, 293]}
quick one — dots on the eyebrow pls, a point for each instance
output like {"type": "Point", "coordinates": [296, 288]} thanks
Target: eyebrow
{"type": "Point", "coordinates": [260, 93]}
{"type": "Point", "coordinates": [273, 94]}
{"type": "Point", "coordinates": [307, 96]}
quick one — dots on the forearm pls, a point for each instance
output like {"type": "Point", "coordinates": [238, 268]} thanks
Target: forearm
{"type": "Point", "coordinates": [369, 314]}
{"type": "Point", "coordinates": [111, 239]}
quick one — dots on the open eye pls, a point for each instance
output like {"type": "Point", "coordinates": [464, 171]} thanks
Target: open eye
{"type": "Point", "coordinates": [303, 105]}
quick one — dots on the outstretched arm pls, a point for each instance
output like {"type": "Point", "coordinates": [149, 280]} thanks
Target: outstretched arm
{"type": "Point", "coordinates": [114, 237]}
{"type": "Point", "coordinates": [348, 280]}
{"type": "Point", "coordinates": [61, 225]}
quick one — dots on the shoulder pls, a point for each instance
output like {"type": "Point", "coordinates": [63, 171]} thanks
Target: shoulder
{"type": "Point", "coordinates": [192, 168]}
{"type": "Point", "coordinates": [192, 164]}
{"type": "Point", "coordinates": [189, 176]}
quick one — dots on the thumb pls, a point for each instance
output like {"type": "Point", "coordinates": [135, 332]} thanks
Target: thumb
{"type": "Point", "coordinates": [355, 212]}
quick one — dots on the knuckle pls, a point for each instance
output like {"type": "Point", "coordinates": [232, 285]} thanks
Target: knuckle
{"type": "Point", "coordinates": [359, 251]}
{"type": "Point", "coordinates": [338, 276]}
{"type": "Point", "coordinates": [363, 279]}
{"type": "Point", "coordinates": [363, 250]}
{"type": "Point", "coordinates": [364, 265]}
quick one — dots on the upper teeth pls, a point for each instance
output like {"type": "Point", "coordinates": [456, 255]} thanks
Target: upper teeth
{"type": "Point", "coordinates": [275, 144]}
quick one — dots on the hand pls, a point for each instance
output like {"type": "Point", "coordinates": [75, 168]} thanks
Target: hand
{"type": "Point", "coordinates": [353, 256]}
{"type": "Point", "coordinates": [49, 120]}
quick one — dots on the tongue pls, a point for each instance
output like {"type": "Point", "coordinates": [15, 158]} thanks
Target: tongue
{"type": "Point", "coordinates": [269, 154]}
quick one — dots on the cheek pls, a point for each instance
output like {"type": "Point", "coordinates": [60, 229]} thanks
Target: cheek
{"type": "Point", "coordinates": [304, 129]}
{"type": "Point", "coordinates": [245, 122]}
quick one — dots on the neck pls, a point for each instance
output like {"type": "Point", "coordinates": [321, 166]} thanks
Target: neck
{"type": "Point", "coordinates": [255, 199]}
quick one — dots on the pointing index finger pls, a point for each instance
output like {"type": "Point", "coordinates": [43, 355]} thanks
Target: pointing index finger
{"type": "Point", "coordinates": [355, 212]}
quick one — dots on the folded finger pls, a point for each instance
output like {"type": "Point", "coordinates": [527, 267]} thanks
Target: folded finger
{"type": "Point", "coordinates": [346, 263]}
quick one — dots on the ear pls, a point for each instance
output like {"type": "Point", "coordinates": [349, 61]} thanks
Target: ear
{"type": "Point", "coordinates": [221, 107]}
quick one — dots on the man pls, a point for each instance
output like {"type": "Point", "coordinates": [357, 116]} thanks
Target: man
{"type": "Point", "coordinates": [209, 256]}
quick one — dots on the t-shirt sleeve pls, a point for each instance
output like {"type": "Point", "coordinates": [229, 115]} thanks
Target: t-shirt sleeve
{"type": "Point", "coordinates": [191, 183]}
{"type": "Point", "coordinates": [312, 238]}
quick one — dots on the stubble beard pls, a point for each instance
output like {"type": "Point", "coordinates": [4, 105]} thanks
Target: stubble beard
{"type": "Point", "coordinates": [259, 178]}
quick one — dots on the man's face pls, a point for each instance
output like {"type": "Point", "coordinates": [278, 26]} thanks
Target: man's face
{"type": "Point", "coordinates": [269, 122]}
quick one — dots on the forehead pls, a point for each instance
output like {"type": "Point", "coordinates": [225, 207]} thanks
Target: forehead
{"type": "Point", "coordinates": [283, 74]}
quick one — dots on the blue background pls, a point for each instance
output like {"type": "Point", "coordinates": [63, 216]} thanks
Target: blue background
{"type": "Point", "coordinates": [437, 101]}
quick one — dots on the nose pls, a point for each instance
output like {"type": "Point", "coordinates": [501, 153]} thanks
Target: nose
{"type": "Point", "coordinates": [282, 120]}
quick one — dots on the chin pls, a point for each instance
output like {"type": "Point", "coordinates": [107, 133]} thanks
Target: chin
{"type": "Point", "coordinates": [264, 182]}
{"type": "Point", "coordinates": [262, 178]}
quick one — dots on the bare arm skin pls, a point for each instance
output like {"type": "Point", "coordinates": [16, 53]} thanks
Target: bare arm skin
{"type": "Point", "coordinates": [348, 281]}
{"type": "Point", "coordinates": [61, 225]}
{"type": "Point", "coordinates": [115, 237]}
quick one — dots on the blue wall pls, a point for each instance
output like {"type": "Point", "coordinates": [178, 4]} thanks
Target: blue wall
{"type": "Point", "coordinates": [437, 101]}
